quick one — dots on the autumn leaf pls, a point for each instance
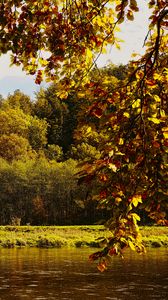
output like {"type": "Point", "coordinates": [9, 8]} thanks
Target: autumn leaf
{"type": "Point", "coordinates": [165, 132]}
{"type": "Point", "coordinates": [102, 266]}
{"type": "Point", "coordinates": [118, 200]}
{"type": "Point", "coordinates": [135, 217]}
{"type": "Point", "coordinates": [131, 245]}
{"type": "Point", "coordinates": [98, 112]}
{"type": "Point", "coordinates": [130, 15]}
{"type": "Point", "coordinates": [103, 177]}
{"type": "Point", "coordinates": [112, 251]}
{"type": "Point", "coordinates": [113, 167]}
{"type": "Point", "coordinates": [136, 199]}
{"type": "Point", "coordinates": [154, 120]}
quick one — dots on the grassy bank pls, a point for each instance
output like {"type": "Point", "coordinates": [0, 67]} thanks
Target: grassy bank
{"type": "Point", "coordinates": [70, 236]}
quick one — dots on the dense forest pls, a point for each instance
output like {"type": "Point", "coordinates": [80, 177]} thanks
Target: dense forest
{"type": "Point", "coordinates": [42, 144]}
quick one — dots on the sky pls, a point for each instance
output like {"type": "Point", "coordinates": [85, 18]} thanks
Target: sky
{"type": "Point", "coordinates": [133, 33]}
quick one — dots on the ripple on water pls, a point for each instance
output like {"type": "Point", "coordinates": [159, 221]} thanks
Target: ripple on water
{"type": "Point", "coordinates": [121, 288]}
{"type": "Point", "coordinates": [55, 278]}
{"type": "Point", "coordinates": [92, 294]}
{"type": "Point", "coordinates": [32, 285]}
{"type": "Point", "coordinates": [111, 298]}
{"type": "Point", "coordinates": [81, 289]}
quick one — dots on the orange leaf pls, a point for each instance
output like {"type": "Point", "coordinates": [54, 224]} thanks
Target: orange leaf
{"type": "Point", "coordinates": [102, 266]}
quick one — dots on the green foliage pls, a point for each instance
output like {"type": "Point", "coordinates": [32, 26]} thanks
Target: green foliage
{"type": "Point", "coordinates": [15, 125]}
{"type": "Point", "coordinates": [19, 100]}
{"type": "Point", "coordinates": [61, 116]}
{"type": "Point", "coordinates": [37, 133]}
{"type": "Point", "coordinates": [38, 191]}
{"type": "Point", "coordinates": [49, 107]}
{"type": "Point", "coordinates": [13, 121]}
{"type": "Point", "coordinates": [54, 152]}
{"type": "Point", "coordinates": [15, 147]}
{"type": "Point", "coordinates": [84, 152]}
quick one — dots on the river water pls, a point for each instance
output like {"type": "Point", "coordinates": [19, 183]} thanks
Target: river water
{"type": "Point", "coordinates": [66, 274]}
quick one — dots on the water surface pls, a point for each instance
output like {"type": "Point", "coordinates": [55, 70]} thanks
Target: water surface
{"type": "Point", "coordinates": [66, 274]}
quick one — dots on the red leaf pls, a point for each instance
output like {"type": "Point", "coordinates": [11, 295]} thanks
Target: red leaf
{"type": "Point", "coordinates": [150, 82]}
{"type": "Point", "coordinates": [118, 7]}
{"type": "Point", "coordinates": [97, 112]}
{"type": "Point", "coordinates": [112, 251]}
{"type": "Point", "coordinates": [95, 256]}
{"type": "Point", "coordinates": [103, 194]}
{"type": "Point", "coordinates": [155, 144]}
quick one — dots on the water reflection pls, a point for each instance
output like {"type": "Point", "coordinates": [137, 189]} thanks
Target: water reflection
{"type": "Point", "coordinates": [63, 274]}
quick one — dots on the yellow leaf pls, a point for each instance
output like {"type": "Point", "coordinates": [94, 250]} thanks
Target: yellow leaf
{"type": "Point", "coordinates": [165, 132]}
{"type": "Point", "coordinates": [117, 200]}
{"type": "Point", "coordinates": [111, 153]}
{"type": "Point", "coordinates": [98, 20]}
{"type": "Point", "coordinates": [157, 76]}
{"type": "Point", "coordinates": [154, 120]}
{"type": "Point", "coordinates": [104, 51]}
{"type": "Point", "coordinates": [62, 95]}
{"type": "Point", "coordinates": [136, 217]}
{"type": "Point", "coordinates": [157, 98]}
{"type": "Point", "coordinates": [117, 46]}
{"type": "Point", "coordinates": [42, 26]}
{"type": "Point", "coordinates": [127, 115]}
{"type": "Point", "coordinates": [43, 62]}
{"type": "Point", "coordinates": [89, 129]}
{"type": "Point", "coordinates": [139, 75]}
{"type": "Point", "coordinates": [162, 113]}
{"type": "Point", "coordinates": [33, 60]}
{"type": "Point", "coordinates": [89, 56]}
{"type": "Point", "coordinates": [131, 245]}
{"type": "Point", "coordinates": [136, 103]}
{"type": "Point", "coordinates": [165, 135]}
{"type": "Point", "coordinates": [121, 141]}
{"type": "Point", "coordinates": [119, 153]}
{"type": "Point", "coordinates": [136, 199]}
{"type": "Point", "coordinates": [81, 94]}
{"type": "Point", "coordinates": [113, 167]}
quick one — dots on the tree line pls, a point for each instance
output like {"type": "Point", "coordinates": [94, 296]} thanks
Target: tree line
{"type": "Point", "coordinates": [42, 143]}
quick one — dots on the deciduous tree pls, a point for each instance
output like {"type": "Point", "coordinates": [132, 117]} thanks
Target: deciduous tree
{"type": "Point", "coordinates": [15, 126]}
{"type": "Point", "coordinates": [19, 100]}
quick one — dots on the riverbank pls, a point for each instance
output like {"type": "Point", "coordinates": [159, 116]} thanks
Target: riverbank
{"type": "Point", "coordinates": [71, 236]}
